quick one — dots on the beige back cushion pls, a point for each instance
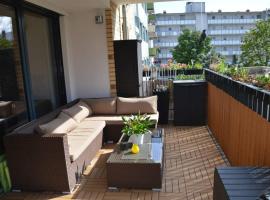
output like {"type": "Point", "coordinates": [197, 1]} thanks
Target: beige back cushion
{"type": "Point", "coordinates": [102, 106]}
{"type": "Point", "coordinates": [79, 111]}
{"type": "Point", "coordinates": [61, 124]}
{"type": "Point", "coordinates": [127, 106]}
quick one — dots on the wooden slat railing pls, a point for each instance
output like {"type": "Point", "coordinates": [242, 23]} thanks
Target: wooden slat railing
{"type": "Point", "coordinates": [243, 134]}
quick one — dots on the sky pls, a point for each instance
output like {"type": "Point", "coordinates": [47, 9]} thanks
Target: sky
{"type": "Point", "coordinates": [214, 5]}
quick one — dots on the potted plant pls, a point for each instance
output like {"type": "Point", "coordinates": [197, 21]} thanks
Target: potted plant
{"type": "Point", "coordinates": [136, 126]}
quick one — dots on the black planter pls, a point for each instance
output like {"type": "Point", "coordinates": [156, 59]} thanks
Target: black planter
{"type": "Point", "coordinates": [163, 105]}
{"type": "Point", "coordinates": [189, 103]}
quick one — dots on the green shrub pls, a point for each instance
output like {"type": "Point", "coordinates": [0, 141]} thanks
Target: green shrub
{"type": "Point", "coordinates": [190, 77]}
{"type": "Point", "coordinates": [5, 44]}
{"type": "Point", "coordinates": [263, 81]}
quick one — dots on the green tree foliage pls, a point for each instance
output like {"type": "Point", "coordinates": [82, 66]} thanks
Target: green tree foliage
{"type": "Point", "coordinates": [256, 45]}
{"type": "Point", "coordinates": [191, 48]}
{"type": "Point", "coordinates": [5, 44]}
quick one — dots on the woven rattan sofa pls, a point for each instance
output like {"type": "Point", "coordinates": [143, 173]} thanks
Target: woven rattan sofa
{"type": "Point", "coordinates": [51, 153]}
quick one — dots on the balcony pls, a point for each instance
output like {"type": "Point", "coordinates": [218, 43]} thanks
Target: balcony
{"type": "Point", "coordinates": [167, 56]}
{"type": "Point", "coordinates": [166, 44]}
{"type": "Point", "coordinates": [226, 42]}
{"type": "Point", "coordinates": [190, 158]}
{"type": "Point", "coordinates": [227, 32]}
{"type": "Point", "coordinates": [175, 22]}
{"type": "Point", "coordinates": [168, 33]}
{"type": "Point", "coordinates": [232, 21]}
{"type": "Point", "coordinates": [229, 52]}
{"type": "Point", "coordinates": [81, 63]}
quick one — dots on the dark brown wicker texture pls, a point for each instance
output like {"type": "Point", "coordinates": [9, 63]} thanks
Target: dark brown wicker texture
{"type": "Point", "coordinates": [42, 162]}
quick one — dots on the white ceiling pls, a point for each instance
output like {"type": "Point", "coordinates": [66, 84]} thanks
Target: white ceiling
{"type": "Point", "coordinates": [66, 6]}
{"type": "Point", "coordinates": [138, 1]}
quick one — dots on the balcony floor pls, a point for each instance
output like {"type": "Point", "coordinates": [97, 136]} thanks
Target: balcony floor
{"type": "Point", "coordinates": [190, 158]}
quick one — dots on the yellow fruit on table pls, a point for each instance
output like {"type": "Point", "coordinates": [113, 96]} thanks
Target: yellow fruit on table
{"type": "Point", "coordinates": [135, 148]}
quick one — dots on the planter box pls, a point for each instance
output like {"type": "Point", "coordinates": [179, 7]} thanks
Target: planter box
{"type": "Point", "coordinates": [251, 96]}
{"type": "Point", "coordinates": [189, 102]}
{"type": "Point", "coordinates": [163, 105]}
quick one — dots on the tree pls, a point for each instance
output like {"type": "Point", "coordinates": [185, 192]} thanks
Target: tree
{"type": "Point", "coordinates": [256, 45]}
{"type": "Point", "coordinates": [4, 43]}
{"type": "Point", "coordinates": [192, 47]}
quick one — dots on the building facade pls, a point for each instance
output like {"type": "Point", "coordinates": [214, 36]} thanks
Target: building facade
{"type": "Point", "coordinates": [135, 26]}
{"type": "Point", "coordinates": [226, 29]}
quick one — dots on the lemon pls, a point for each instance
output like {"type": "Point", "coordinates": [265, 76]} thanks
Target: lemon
{"type": "Point", "coordinates": [135, 148]}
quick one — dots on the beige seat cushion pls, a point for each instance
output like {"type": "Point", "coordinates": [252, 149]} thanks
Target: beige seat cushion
{"type": "Point", "coordinates": [81, 137]}
{"type": "Point", "coordinates": [117, 119]}
{"type": "Point", "coordinates": [135, 105]}
{"type": "Point", "coordinates": [102, 106]}
{"type": "Point", "coordinates": [79, 111]}
{"type": "Point", "coordinates": [5, 109]}
{"type": "Point", "coordinates": [61, 124]}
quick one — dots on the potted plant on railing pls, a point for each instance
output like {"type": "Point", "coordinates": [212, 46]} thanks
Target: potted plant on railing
{"type": "Point", "coordinates": [135, 127]}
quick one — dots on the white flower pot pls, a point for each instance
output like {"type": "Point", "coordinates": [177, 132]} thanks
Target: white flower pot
{"type": "Point", "coordinates": [137, 139]}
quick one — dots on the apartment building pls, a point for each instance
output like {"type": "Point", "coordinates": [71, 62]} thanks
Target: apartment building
{"type": "Point", "coordinates": [135, 26]}
{"type": "Point", "coordinates": [225, 28]}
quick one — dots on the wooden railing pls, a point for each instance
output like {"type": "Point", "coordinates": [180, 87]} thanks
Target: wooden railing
{"type": "Point", "coordinates": [242, 131]}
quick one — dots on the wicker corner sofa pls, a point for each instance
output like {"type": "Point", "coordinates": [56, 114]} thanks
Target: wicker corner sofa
{"type": "Point", "coordinates": [54, 161]}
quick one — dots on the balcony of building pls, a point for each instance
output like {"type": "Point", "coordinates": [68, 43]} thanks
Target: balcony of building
{"type": "Point", "coordinates": [227, 32]}
{"type": "Point", "coordinates": [232, 21]}
{"type": "Point", "coordinates": [168, 33]}
{"type": "Point", "coordinates": [78, 47]}
{"type": "Point", "coordinates": [229, 52]}
{"type": "Point", "coordinates": [226, 42]}
{"type": "Point", "coordinates": [166, 44]}
{"type": "Point", "coordinates": [175, 22]}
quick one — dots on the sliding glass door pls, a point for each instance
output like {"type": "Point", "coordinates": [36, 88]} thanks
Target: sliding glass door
{"type": "Point", "coordinates": [13, 110]}
{"type": "Point", "coordinates": [41, 61]}
{"type": "Point", "coordinates": [31, 72]}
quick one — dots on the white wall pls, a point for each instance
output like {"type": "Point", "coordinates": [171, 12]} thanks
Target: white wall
{"type": "Point", "coordinates": [85, 55]}
{"type": "Point", "coordinates": [84, 46]}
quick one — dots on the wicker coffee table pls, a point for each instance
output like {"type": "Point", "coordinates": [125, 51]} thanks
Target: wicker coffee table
{"type": "Point", "coordinates": [142, 170]}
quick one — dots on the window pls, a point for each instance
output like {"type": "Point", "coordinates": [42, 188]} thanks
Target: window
{"type": "Point", "coordinates": [12, 85]}
{"type": "Point", "coordinates": [31, 73]}
{"type": "Point", "coordinates": [259, 16]}
{"type": "Point", "coordinates": [241, 17]}
{"type": "Point", "coordinates": [170, 29]}
{"type": "Point", "coordinates": [224, 17]}
{"type": "Point", "coordinates": [42, 62]}
{"type": "Point", "coordinates": [213, 17]}
{"type": "Point", "coordinates": [242, 27]}
{"type": "Point", "coordinates": [224, 38]}
{"type": "Point", "coordinates": [137, 22]}
{"type": "Point", "coordinates": [224, 48]}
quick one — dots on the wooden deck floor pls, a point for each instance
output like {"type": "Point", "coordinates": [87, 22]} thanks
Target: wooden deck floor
{"type": "Point", "coordinates": [190, 158]}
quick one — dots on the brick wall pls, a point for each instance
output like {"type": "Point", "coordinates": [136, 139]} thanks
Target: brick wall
{"type": "Point", "coordinates": [114, 32]}
{"type": "Point", "coordinates": [17, 59]}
